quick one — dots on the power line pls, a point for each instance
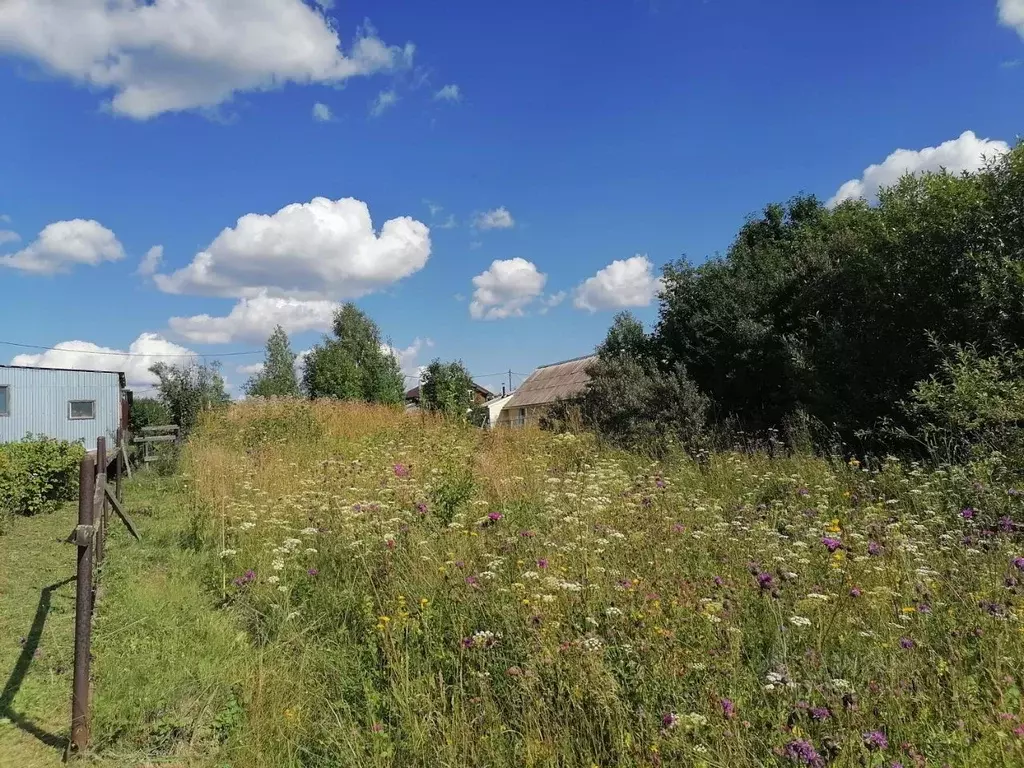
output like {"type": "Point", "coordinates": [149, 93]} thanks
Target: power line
{"type": "Point", "coordinates": [115, 353]}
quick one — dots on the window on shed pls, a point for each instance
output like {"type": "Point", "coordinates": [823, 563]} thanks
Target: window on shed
{"type": "Point", "coordinates": [82, 409]}
{"type": "Point", "coordinates": [5, 401]}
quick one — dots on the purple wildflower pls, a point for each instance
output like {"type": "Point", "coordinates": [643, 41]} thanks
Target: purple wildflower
{"type": "Point", "coordinates": [765, 581]}
{"type": "Point", "coordinates": [421, 508]}
{"type": "Point", "coordinates": [313, 571]}
{"type": "Point", "coordinates": [678, 528]}
{"type": "Point", "coordinates": [967, 513]}
{"type": "Point", "coordinates": [924, 608]}
{"type": "Point", "coordinates": [494, 516]}
{"type": "Point", "coordinates": [401, 470]}
{"type": "Point", "coordinates": [907, 642]}
{"type": "Point", "coordinates": [542, 563]}
{"type": "Point", "coordinates": [246, 578]}
{"type": "Point", "coordinates": [728, 709]}
{"type": "Point", "coordinates": [660, 483]}
{"type": "Point", "coordinates": [803, 491]}
{"type": "Point", "coordinates": [874, 548]}
{"type": "Point", "coordinates": [855, 592]}
{"type": "Point", "coordinates": [1006, 524]}
{"type": "Point", "coordinates": [527, 534]}
{"type": "Point", "coordinates": [821, 713]}
{"type": "Point", "coordinates": [1015, 492]}
{"type": "Point", "coordinates": [831, 544]}
{"type": "Point", "coordinates": [669, 720]}
{"type": "Point", "coordinates": [875, 740]}
{"type": "Point", "coordinates": [472, 581]}
{"type": "Point", "coordinates": [803, 753]}
{"type": "Point", "coordinates": [1018, 563]}
{"type": "Point", "coordinates": [719, 581]}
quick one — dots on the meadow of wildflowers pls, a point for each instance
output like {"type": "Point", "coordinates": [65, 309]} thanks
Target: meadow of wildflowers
{"type": "Point", "coordinates": [425, 594]}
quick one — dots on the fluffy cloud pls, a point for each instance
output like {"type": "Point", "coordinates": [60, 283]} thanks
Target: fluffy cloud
{"type": "Point", "coordinates": [408, 358]}
{"type": "Point", "coordinates": [249, 370]}
{"type": "Point", "coordinates": [64, 244]}
{"type": "Point", "coordinates": [384, 101]}
{"type": "Point", "coordinates": [966, 153]}
{"type": "Point", "coordinates": [1011, 13]}
{"type": "Point", "coordinates": [623, 283]}
{"type": "Point", "coordinates": [135, 362]}
{"type": "Point", "coordinates": [161, 56]}
{"type": "Point", "coordinates": [499, 218]}
{"type": "Point", "coordinates": [255, 319]}
{"type": "Point", "coordinates": [449, 93]}
{"type": "Point", "coordinates": [321, 113]}
{"type": "Point", "coordinates": [324, 249]}
{"type": "Point", "coordinates": [7, 236]}
{"type": "Point", "coordinates": [150, 263]}
{"type": "Point", "coordinates": [506, 289]}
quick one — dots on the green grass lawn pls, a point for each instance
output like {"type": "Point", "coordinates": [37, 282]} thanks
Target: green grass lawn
{"type": "Point", "coordinates": [37, 626]}
{"type": "Point", "coordinates": [166, 660]}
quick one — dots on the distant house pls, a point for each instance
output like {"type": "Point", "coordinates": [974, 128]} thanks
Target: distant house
{"type": "Point", "coordinates": [480, 396]}
{"type": "Point", "coordinates": [544, 386]}
{"type": "Point", "coordinates": [494, 408]}
{"type": "Point", "coordinates": [62, 404]}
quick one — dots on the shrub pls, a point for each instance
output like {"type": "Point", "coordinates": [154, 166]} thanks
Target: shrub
{"type": "Point", "coordinates": [973, 406]}
{"type": "Point", "coordinates": [635, 405]}
{"type": "Point", "coordinates": [37, 474]}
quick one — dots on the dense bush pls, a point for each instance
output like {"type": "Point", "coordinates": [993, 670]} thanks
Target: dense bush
{"type": "Point", "coordinates": [836, 316]}
{"type": "Point", "coordinates": [37, 474]}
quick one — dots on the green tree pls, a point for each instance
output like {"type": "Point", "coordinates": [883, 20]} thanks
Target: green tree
{"type": "Point", "coordinates": [188, 389]}
{"type": "Point", "coordinates": [148, 412]}
{"type": "Point", "coordinates": [626, 338]}
{"type": "Point", "coordinates": [354, 364]}
{"type": "Point", "coordinates": [447, 388]}
{"type": "Point", "coordinates": [277, 379]}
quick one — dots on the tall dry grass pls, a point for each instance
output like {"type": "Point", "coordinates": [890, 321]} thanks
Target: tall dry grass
{"type": "Point", "coordinates": [422, 593]}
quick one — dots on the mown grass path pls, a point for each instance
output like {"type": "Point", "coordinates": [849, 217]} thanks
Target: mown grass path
{"type": "Point", "coordinates": [166, 660]}
{"type": "Point", "coordinates": [37, 625]}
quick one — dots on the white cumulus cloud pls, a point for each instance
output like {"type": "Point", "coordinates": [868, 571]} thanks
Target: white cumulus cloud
{"type": "Point", "coordinates": [150, 263]}
{"type": "Point", "coordinates": [324, 249]}
{"type": "Point", "coordinates": [1011, 14]}
{"type": "Point", "coordinates": [384, 101]}
{"type": "Point", "coordinates": [147, 350]}
{"type": "Point", "coordinates": [506, 289]}
{"type": "Point", "coordinates": [499, 218]}
{"type": "Point", "coordinates": [449, 92]}
{"type": "Point", "coordinates": [321, 113]}
{"type": "Point", "coordinates": [158, 56]}
{"type": "Point", "coordinates": [623, 283]}
{"type": "Point", "coordinates": [65, 244]}
{"type": "Point", "coordinates": [8, 236]}
{"type": "Point", "coordinates": [255, 319]}
{"type": "Point", "coordinates": [966, 153]}
{"type": "Point", "coordinates": [408, 357]}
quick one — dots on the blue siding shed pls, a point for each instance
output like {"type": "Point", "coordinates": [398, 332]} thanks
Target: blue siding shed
{"type": "Point", "coordinates": [62, 404]}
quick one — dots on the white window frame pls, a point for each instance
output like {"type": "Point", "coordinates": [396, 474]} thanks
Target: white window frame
{"type": "Point", "coordinates": [7, 400]}
{"type": "Point", "coordinates": [71, 415]}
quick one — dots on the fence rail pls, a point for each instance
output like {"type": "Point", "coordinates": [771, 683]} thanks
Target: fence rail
{"type": "Point", "coordinates": [96, 497]}
{"type": "Point", "coordinates": [166, 433]}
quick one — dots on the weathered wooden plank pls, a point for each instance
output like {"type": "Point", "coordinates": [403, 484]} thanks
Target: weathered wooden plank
{"type": "Point", "coordinates": [165, 428]}
{"type": "Point", "coordinates": [157, 439]}
{"type": "Point", "coordinates": [112, 498]}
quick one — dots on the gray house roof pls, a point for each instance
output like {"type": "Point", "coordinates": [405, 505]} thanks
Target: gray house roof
{"type": "Point", "coordinates": [553, 382]}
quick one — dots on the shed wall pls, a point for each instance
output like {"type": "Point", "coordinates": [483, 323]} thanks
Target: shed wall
{"type": "Point", "coordinates": [39, 404]}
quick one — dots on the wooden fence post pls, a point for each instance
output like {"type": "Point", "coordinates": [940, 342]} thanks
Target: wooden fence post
{"type": "Point", "coordinates": [119, 463]}
{"type": "Point", "coordinates": [83, 536]}
{"type": "Point", "coordinates": [100, 510]}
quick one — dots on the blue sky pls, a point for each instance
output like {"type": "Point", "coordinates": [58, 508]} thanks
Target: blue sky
{"type": "Point", "coordinates": [584, 133]}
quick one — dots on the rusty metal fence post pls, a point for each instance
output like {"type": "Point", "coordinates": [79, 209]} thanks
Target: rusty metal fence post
{"type": "Point", "coordinates": [83, 539]}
